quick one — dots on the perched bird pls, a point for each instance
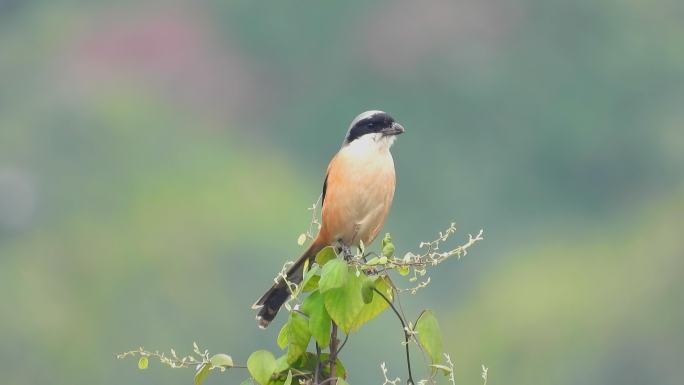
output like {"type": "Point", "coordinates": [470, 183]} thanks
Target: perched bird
{"type": "Point", "coordinates": [357, 195]}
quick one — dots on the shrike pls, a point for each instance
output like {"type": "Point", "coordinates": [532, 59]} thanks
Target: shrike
{"type": "Point", "coordinates": [357, 195]}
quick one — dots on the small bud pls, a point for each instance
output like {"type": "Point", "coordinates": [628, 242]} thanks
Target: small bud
{"type": "Point", "coordinates": [143, 362]}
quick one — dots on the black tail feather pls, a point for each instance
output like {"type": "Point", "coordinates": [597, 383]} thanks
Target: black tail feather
{"type": "Point", "coordinates": [276, 296]}
{"type": "Point", "coordinates": [271, 302]}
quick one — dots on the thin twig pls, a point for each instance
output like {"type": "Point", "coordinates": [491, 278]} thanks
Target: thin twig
{"type": "Point", "coordinates": [346, 337]}
{"type": "Point", "coordinates": [430, 256]}
{"type": "Point", "coordinates": [333, 353]}
{"type": "Point", "coordinates": [406, 336]}
{"type": "Point", "coordinates": [318, 363]}
{"type": "Point", "coordinates": [329, 379]}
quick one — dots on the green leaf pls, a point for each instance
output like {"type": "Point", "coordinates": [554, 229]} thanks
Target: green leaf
{"type": "Point", "coordinates": [312, 283]}
{"type": "Point", "coordinates": [261, 365]}
{"type": "Point", "coordinates": [377, 305]}
{"type": "Point", "coordinates": [298, 336]}
{"type": "Point", "coordinates": [344, 303]}
{"type": "Point", "coordinates": [429, 335]}
{"type": "Point", "coordinates": [388, 249]}
{"type": "Point", "coordinates": [377, 261]}
{"type": "Point", "coordinates": [387, 239]}
{"type": "Point", "coordinates": [403, 270]}
{"type": "Point", "coordinates": [341, 381]}
{"type": "Point", "coordinates": [221, 360]}
{"type": "Point", "coordinates": [202, 373]}
{"type": "Point", "coordinates": [367, 290]}
{"type": "Point", "coordinates": [373, 261]}
{"type": "Point", "coordinates": [288, 380]}
{"type": "Point", "coordinates": [282, 337]}
{"type": "Point", "coordinates": [325, 255]}
{"type": "Point", "coordinates": [307, 362]}
{"type": "Point", "coordinates": [319, 319]}
{"type": "Point", "coordinates": [387, 246]}
{"type": "Point", "coordinates": [282, 364]}
{"type": "Point", "coordinates": [143, 362]}
{"type": "Point", "coordinates": [340, 370]}
{"type": "Point", "coordinates": [311, 278]}
{"type": "Point", "coordinates": [334, 275]}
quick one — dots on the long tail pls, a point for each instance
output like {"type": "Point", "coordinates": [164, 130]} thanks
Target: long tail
{"type": "Point", "coordinates": [269, 303]}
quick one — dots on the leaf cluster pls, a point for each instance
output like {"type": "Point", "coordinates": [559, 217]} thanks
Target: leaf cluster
{"type": "Point", "coordinates": [337, 292]}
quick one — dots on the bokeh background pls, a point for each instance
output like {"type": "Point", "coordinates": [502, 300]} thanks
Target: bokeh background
{"type": "Point", "coordinates": [157, 160]}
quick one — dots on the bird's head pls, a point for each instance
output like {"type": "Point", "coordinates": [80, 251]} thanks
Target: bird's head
{"type": "Point", "coordinates": [374, 126]}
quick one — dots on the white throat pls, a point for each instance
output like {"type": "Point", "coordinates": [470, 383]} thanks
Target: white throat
{"type": "Point", "coordinates": [371, 142]}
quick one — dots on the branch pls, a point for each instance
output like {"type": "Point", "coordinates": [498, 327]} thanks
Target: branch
{"type": "Point", "coordinates": [430, 257]}
{"type": "Point", "coordinates": [333, 353]}
{"type": "Point", "coordinates": [173, 361]}
{"type": "Point", "coordinates": [406, 335]}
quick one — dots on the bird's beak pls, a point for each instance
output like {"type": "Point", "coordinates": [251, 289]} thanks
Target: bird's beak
{"type": "Point", "coordinates": [394, 129]}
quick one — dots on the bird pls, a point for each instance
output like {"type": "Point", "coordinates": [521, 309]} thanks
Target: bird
{"type": "Point", "coordinates": [357, 194]}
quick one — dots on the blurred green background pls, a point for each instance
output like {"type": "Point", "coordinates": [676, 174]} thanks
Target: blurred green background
{"type": "Point", "coordinates": [156, 162]}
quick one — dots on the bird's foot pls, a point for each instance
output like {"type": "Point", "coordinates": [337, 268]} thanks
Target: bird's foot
{"type": "Point", "coordinates": [346, 252]}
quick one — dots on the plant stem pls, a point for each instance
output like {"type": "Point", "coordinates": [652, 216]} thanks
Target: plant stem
{"type": "Point", "coordinates": [346, 337]}
{"type": "Point", "coordinates": [333, 354]}
{"type": "Point", "coordinates": [406, 336]}
{"type": "Point", "coordinates": [318, 363]}
{"type": "Point", "coordinates": [328, 380]}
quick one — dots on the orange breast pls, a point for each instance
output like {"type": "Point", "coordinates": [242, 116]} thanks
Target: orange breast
{"type": "Point", "coordinates": [360, 188]}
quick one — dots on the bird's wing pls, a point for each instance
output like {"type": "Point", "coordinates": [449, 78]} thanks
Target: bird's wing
{"type": "Point", "coordinates": [325, 187]}
{"type": "Point", "coordinates": [327, 175]}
